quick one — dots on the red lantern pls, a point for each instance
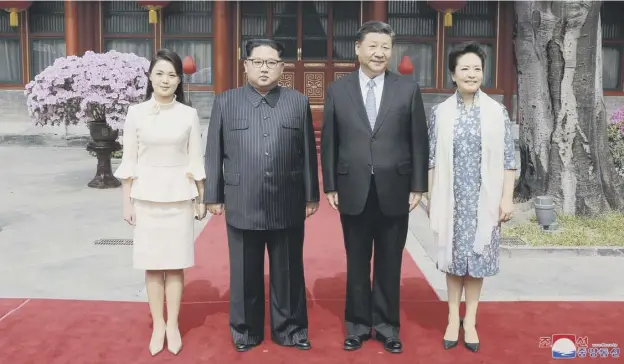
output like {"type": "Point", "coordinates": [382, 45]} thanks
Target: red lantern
{"type": "Point", "coordinates": [153, 7]}
{"type": "Point", "coordinates": [188, 65]}
{"type": "Point", "coordinates": [14, 8]}
{"type": "Point", "coordinates": [406, 67]}
{"type": "Point", "coordinates": [448, 8]}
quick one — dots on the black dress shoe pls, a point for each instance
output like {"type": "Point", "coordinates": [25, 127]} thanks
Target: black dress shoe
{"type": "Point", "coordinates": [354, 342]}
{"type": "Point", "coordinates": [391, 344]}
{"type": "Point", "coordinates": [244, 347]}
{"type": "Point", "coordinates": [303, 344]}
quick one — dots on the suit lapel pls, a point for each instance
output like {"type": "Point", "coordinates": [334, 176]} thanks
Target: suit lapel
{"type": "Point", "coordinates": [387, 97]}
{"type": "Point", "coordinates": [355, 93]}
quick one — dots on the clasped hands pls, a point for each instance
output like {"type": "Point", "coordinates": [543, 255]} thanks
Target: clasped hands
{"type": "Point", "coordinates": [414, 199]}
{"type": "Point", "coordinates": [218, 208]}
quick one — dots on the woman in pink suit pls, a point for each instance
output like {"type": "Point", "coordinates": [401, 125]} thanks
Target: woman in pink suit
{"type": "Point", "coordinates": [162, 173]}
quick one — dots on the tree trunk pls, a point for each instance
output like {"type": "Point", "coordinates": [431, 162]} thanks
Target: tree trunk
{"type": "Point", "coordinates": [563, 123]}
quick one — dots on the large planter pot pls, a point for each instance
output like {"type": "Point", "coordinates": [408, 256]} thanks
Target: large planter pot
{"type": "Point", "coordinates": [101, 132]}
{"type": "Point", "coordinates": [103, 143]}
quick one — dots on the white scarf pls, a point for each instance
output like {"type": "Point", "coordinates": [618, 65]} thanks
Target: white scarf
{"type": "Point", "coordinates": [492, 174]}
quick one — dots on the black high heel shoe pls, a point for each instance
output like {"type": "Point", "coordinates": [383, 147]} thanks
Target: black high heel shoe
{"type": "Point", "coordinates": [449, 344]}
{"type": "Point", "coordinates": [474, 347]}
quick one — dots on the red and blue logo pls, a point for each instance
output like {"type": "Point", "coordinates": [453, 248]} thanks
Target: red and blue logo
{"type": "Point", "coordinates": [568, 346]}
{"type": "Point", "coordinates": [563, 346]}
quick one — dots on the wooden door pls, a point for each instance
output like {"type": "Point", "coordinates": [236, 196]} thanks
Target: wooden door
{"type": "Point", "coordinates": [319, 41]}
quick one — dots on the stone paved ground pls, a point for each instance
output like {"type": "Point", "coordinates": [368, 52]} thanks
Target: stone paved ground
{"type": "Point", "coordinates": [536, 278]}
{"type": "Point", "coordinates": [50, 220]}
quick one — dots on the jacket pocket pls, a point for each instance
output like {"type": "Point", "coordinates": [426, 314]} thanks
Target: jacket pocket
{"type": "Point", "coordinates": [342, 168]}
{"type": "Point", "coordinates": [239, 124]}
{"type": "Point", "coordinates": [231, 179]}
{"type": "Point", "coordinates": [291, 123]}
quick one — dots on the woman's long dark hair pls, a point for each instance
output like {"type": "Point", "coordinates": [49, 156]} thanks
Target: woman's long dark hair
{"type": "Point", "coordinates": [173, 58]}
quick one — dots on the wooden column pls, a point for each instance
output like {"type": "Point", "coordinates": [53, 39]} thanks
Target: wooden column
{"type": "Point", "coordinates": [380, 10]}
{"type": "Point", "coordinates": [221, 60]}
{"type": "Point", "coordinates": [506, 65]}
{"type": "Point", "coordinates": [88, 20]}
{"type": "Point", "coordinates": [71, 28]}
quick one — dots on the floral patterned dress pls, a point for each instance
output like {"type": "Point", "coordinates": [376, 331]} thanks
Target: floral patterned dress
{"type": "Point", "coordinates": [466, 186]}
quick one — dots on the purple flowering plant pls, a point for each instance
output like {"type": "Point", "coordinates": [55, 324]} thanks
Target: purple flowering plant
{"type": "Point", "coordinates": [96, 86]}
{"type": "Point", "coordinates": [615, 134]}
{"type": "Point", "coordinates": [618, 119]}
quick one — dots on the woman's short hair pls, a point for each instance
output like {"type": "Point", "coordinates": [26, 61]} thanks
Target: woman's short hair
{"type": "Point", "coordinates": [462, 49]}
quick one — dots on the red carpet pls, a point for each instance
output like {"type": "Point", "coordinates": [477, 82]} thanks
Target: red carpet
{"type": "Point", "coordinates": [87, 332]}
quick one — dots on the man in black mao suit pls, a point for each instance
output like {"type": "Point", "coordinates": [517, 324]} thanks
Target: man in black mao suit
{"type": "Point", "coordinates": [374, 155]}
{"type": "Point", "coordinates": [262, 170]}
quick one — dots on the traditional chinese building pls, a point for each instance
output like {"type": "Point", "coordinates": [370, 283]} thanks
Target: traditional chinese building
{"type": "Point", "coordinates": [318, 35]}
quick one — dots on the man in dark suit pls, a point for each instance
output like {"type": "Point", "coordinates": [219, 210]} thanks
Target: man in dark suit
{"type": "Point", "coordinates": [262, 170]}
{"type": "Point", "coordinates": [374, 155]}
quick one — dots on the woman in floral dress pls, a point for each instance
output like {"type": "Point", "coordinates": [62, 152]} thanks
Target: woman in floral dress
{"type": "Point", "coordinates": [471, 179]}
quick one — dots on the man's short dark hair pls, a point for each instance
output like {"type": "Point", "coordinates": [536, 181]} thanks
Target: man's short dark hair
{"type": "Point", "coordinates": [255, 43]}
{"type": "Point", "coordinates": [374, 26]}
{"type": "Point", "coordinates": [462, 49]}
